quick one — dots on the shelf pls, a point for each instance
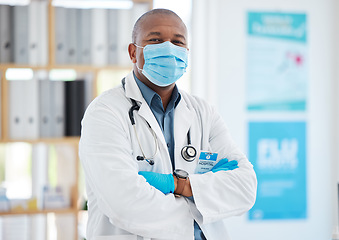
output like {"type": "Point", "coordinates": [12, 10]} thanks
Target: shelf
{"type": "Point", "coordinates": [84, 68]}
{"type": "Point", "coordinates": [32, 212]}
{"type": "Point", "coordinates": [72, 140]}
{"type": "Point", "coordinates": [50, 64]}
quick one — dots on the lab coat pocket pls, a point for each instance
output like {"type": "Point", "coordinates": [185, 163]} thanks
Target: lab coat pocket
{"type": "Point", "coordinates": [116, 237]}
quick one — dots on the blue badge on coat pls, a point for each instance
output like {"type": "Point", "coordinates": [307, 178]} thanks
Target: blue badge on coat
{"type": "Point", "coordinates": [206, 162]}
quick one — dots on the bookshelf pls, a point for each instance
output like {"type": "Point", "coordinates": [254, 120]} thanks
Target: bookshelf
{"type": "Point", "coordinates": [72, 141]}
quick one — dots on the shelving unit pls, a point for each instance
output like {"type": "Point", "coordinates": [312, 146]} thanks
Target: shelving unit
{"type": "Point", "coordinates": [72, 141]}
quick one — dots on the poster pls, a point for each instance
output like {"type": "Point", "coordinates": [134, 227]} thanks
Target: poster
{"type": "Point", "coordinates": [277, 151]}
{"type": "Point", "coordinates": [276, 68]}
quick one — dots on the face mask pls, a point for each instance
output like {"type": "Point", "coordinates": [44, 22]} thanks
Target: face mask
{"type": "Point", "coordinates": [164, 63]}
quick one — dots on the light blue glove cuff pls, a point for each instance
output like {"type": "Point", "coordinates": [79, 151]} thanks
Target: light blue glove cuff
{"type": "Point", "coordinates": [162, 182]}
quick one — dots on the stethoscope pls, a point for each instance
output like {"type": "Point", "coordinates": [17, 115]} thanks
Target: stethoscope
{"type": "Point", "coordinates": [188, 152]}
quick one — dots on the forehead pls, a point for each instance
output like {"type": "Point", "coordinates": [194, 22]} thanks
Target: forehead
{"type": "Point", "coordinates": [162, 23]}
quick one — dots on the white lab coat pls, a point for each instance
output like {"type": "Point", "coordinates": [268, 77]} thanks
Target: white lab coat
{"type": "Point", "coordinates": [122, 205]}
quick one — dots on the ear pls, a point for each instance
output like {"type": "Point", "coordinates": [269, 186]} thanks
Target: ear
{"type": "Point", "coordinates": [132, 52]}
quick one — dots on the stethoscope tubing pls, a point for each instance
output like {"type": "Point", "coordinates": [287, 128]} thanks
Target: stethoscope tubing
{"type": "Point", "coordinates": [188, 152]}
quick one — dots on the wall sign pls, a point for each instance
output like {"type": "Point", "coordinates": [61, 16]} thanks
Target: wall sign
{"type": "Point", "coordinates": [277, 151]}
{"type": "Point", "coordinates": [276, 61]}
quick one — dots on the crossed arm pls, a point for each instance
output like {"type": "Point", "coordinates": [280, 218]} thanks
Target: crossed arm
{"type": "Point", "coordinates": [167, 183]}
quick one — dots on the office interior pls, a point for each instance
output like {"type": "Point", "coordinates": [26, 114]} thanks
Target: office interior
{"type": "Point", "coordinates": [271, 68]}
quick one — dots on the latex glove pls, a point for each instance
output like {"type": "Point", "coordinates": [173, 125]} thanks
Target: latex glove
{"type": "Point", "coordinates": [225, 165]}
{"type": "Point", "coordinates": [162, 182]}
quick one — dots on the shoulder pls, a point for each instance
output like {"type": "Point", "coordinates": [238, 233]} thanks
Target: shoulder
{"type": "Point", "coordinates": [112, 99]}
{"type": "Point", "coordinates": [197, 103]}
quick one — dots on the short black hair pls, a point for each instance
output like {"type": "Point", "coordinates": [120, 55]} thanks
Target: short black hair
{"type": "Point", "coordinates": [160, 11]}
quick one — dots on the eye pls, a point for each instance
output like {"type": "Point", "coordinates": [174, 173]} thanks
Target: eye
{"type": "Point", "coordinates": [154, 40]}
{"type": "Point", "coordinates": [178, 42]}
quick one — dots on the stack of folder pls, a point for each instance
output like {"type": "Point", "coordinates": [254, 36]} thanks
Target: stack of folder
{"type": "Point", "coordinates": [95, 36]}
{"type": "Point", "coordinates": [43, 108]}
{"type": "Point", "coordinates": [23, 34]}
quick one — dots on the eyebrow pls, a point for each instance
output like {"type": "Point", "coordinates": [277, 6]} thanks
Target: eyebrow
{"type": "Point", "coordinates": [159, 34]}
{"type": "Point", "coordinates": [153, 33]}
{"type": "Point", "coordinates": [180, 36]}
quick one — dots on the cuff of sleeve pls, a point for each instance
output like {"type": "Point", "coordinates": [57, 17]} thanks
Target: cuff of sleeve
{"type": "Point", "coordinates": [171, 183]}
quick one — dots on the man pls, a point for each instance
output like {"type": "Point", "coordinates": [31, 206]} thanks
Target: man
{"type": "Point", "coordinates": [160, 163]}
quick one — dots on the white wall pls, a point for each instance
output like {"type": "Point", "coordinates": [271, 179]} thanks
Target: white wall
{"type": "Point", "coordinates": [229, 46]}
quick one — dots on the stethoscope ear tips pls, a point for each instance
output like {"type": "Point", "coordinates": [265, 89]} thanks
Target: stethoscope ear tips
{"type": "Point", "coordinates": [141, 158]}
{"type": "Point", "coordinates": [151, 162]}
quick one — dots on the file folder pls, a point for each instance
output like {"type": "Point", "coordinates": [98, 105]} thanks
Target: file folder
{"type": "Point", "coordinates": [58, 108]}
{"type": "Point", "coordinates": [74, 106]}
{"type": "Point", "coordinates": [33, 33]}
{"type": "Point", "coordinates": [84, 33]}
{"type": "Point", "coordinates": [99, 37]}
{"type": "Point", "coordinates": [60, 35]}
{"type": "Point", "coordinates": [44, 107]}
{"type": "Point", "coordinates": [21, 21]}
{"type": "Point", "coordinates": [6, 32]}
{"type": "Point", "coordinates": [31, 109]}
{"type": "Point", "coordinates": [112, 30]}
{"type": "Point", "coordinates": [124, 36]}
{"type": "Point", "coordinates": [43, 33]}
{"type": "Point", "coordinates": [71, 38]}
{"type": "Point", "coordinates": [16, 93]}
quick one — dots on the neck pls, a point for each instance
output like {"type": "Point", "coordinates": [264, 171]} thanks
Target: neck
{"type": "Point", "coordinates": [164, 92]}
{"type": "Point", "coordinates": [165, 95]}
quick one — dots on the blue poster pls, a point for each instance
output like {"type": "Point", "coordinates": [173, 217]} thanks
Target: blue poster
{"type": "Point", "coordinates": [276, 70]}
{"type": "Point", "coordinates": [277, 151]}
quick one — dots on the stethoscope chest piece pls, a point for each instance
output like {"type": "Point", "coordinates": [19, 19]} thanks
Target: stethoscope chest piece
{"type": "Point", "coordinates": [189, 153]}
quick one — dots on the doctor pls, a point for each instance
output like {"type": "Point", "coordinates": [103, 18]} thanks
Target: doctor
{"type": "Point", "coordinates": [158, 162]}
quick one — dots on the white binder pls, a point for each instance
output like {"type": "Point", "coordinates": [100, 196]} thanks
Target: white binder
{"type": "Point", "coordinates": [15, 227]}
{"type": "Point", "coordinates": [33, 33]}
{"type": "Point", "coordinates": [112, 30]}
{"type": "Point", "coordinates": [60, 35]}
{"type": "Point", "coordinates": [84, 36]}
{"type": "Point", "coordinates": [6, 44]}
{"type": "Point", "coordinates": [99, 37]}
{"type": "Point", "coordinates": [43, 33]}
{"type": "Point", "coordinates": [71, 38]}
{"type": "Point", "coordinates": [16, 109]}
{"type": "Point", "coordinates": [31, 109]}
{"type": "Point", "coordinates": [125, 36]}
{"type": "Point", "coordinates": [58, 108]}
{"type": "Point", "coordinates": [44, 106]}
{"type": "Point", "coordinates": [21, 34]}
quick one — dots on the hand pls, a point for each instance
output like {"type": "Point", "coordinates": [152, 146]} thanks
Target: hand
{"type": "Point", "coordinates": [162, 182]}
{"type": "Point", "coordinates": [225, 165]}
{"type": "Point", "coordinates": [187, 192]}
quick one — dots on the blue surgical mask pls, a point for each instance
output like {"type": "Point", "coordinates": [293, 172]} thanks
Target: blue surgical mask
{"type": "Point", "coordinates": [164, 63]}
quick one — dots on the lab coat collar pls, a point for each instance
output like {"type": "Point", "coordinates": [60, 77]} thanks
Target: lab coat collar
{"type": "Point", "coordinates": [131, 88]}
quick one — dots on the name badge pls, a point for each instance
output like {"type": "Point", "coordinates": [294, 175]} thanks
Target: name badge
{"type": "Point", "coordinates": [206, 162]}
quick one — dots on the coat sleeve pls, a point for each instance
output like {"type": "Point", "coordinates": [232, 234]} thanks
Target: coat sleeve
{"type": "Point", "coordinates": [225, 193]}
{"type": "Point", "coordinates": [119, 192]}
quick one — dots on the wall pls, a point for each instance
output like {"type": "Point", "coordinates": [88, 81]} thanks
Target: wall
{"type": "Point", "coordinates": [228, 93]}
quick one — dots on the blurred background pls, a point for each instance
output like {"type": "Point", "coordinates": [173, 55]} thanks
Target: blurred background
{"type": "Point", "coordinates": [271, 68]}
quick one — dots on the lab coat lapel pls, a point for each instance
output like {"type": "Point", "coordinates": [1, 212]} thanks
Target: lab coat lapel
{"type": "Point", "coordinates": [182, 121]}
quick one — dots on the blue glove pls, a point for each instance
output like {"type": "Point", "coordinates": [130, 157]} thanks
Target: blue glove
{"type": "Point", "coordinates": [162, 182]}
{"type": "Point", "coordinates": [225, 165]}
